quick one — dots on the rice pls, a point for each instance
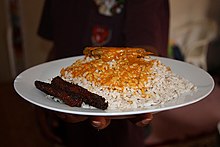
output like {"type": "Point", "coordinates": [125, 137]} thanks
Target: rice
{"type": "Point", "coordinates": [127, 84]}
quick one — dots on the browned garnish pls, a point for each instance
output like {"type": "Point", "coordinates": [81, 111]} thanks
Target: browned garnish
{"type": "Point", "coordinates": [88, 97]}
{"type": "Point", "coordinates": [72, 100]}
{"type": "Point", "coordinates": [109, 53]}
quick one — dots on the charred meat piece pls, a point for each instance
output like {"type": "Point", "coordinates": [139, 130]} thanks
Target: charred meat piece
{"type": "Point", "coordinates": [72, 100]}
{"type": "Point", "coordinates": [89, 98]}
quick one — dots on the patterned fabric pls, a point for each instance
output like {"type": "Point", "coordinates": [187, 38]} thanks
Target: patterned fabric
{"type": "Point", "coordinates": [100, 35]}
{"type": "Point", "coordinates": [109, 7]}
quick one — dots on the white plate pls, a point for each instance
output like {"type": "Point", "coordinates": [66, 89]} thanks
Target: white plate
{"type": "Point", "coordinates": [24, 86]}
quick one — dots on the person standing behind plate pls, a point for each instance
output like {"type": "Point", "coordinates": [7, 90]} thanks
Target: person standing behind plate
{"type": "Point", "coordinates": [73, 25]}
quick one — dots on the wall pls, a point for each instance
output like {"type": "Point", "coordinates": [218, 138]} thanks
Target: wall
{"type": "Point", "coordinates": [187, 11]}
{"type": "Point", "coordinates": [35, 48]}
{"type": "Point", "coordinates": [5, 74]}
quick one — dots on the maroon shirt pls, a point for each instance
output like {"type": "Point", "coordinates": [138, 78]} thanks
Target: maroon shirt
{"type": "Point", "coordinates": [73, 25]}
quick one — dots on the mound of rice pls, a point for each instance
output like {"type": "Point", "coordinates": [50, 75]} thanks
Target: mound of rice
{"type": "Point", "coordinates": [126, 80]}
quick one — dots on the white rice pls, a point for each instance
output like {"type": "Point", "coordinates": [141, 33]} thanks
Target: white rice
{"type": "Point", "coordinates": [163, 86]}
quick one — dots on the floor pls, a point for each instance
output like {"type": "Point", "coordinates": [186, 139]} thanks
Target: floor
{"type": "Point", "coordinates": [18, 125]}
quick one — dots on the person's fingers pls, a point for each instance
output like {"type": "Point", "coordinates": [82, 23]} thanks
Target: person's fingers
{"type": "Point", "coordinates": [142, 120]}
{"type": "Point", "coordinates": [100, 122]}
{"type": "Point", "coordinates": [72, 118]}
{"type": "Point", "coordinates": [146, 119]}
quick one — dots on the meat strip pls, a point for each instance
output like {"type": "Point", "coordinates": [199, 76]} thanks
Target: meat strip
{"type": "Point", "coordinates": [89, 98]}
{"type": "Point", "coordinates": [72, 100]}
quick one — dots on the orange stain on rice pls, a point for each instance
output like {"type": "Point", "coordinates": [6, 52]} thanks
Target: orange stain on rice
{"type": "Point", "coordinates": [115, 68]}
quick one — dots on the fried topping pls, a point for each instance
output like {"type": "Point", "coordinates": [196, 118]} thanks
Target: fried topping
{"type": "Point", "coordinates": [115, 68]}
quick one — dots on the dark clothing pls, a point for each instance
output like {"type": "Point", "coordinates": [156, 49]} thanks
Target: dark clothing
{"type": "Point", "coordinates": [70, 25]}
{"type": "Point", "coordinates": [119, 133]}
{"type": "Point", "coordinates": [73, 25]}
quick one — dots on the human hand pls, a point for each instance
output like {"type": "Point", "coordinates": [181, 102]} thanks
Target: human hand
{"type": "Point", "coordinates": [139, 120]}
{"type": "Point", "coordinates": [101, 122]}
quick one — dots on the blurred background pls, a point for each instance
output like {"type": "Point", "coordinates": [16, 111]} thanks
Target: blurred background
{"type": "Point", "coordinates": [194, 38]}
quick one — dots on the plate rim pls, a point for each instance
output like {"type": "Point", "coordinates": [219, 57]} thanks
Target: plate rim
{"type": "Point", "coordinates": [98, 112]}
